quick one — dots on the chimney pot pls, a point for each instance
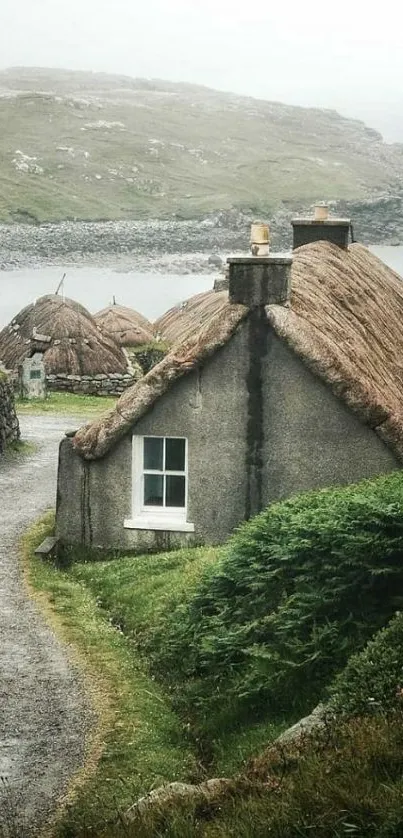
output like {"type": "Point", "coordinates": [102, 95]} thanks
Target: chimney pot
{"type": "Point", "coordinates": [321, 212]}
{"type": "Point", "coordinates": [259, 239]}
{"type": "Point", "coordinates": [260, 280]}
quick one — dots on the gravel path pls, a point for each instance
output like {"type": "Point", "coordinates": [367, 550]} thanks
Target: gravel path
{"type": "Point", "coordinates": [43, 712]}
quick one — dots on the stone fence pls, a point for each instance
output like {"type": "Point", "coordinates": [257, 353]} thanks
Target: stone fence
{"type": "Point", "coordinates": [112, 384]}
{"type": "Point", "coordinates": [9, 427]}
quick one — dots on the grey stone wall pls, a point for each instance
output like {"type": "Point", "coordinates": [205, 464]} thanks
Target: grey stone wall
{"type": "Point", "coordinates": [9, 427]}
{"type": "Point", "coordinates": [102, 384]}
{"type": "Point", "coordinates": [260, 427]}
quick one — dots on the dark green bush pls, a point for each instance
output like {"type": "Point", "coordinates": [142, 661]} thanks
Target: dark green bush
{"type": "Point", "coordinates": [149, 354]}
{"type": "Point", "coordinates": [372, 681]}
{"type": "Point", "coordinates": [301, 587]}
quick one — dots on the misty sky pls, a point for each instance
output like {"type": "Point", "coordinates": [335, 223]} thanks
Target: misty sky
{"type": "Point", "coordinates": [343, 55]}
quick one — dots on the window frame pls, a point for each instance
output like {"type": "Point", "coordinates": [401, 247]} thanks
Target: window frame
{"type": "Point", "coordinates": [150, 517]}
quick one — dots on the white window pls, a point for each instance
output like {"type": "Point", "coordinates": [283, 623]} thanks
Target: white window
{"type": "Point", "coordinates": [159, 484]}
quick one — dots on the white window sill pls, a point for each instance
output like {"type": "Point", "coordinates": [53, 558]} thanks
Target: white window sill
{"type": "Point", "coordinates": [168, 525]}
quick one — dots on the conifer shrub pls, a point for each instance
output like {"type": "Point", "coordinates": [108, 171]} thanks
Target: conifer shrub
{"type": "Point", "coordinates": [372, 680]}
{"type": "Point", "coordinates": [299, 589]}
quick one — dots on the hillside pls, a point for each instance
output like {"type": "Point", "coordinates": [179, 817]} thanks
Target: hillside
{"type": "Point", "coordinates": [77, 145]}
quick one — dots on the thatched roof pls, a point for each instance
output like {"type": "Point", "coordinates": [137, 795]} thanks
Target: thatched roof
{"type": "Point", "coordinates": [127, 326]}
{"type": "Point", "coordinates": [68, 336]}
{"type": "Point", "coordinates": [345, 322]}
{"type": "Point", "coordinates": [95, 439]}
{"type": "Point", "coordinates": [183, 320]}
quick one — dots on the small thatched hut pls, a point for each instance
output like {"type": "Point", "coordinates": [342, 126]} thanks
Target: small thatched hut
{"type": "Point", "coordinates": [185, 319]}
{"type": "Point", "coordinates": [77, 354]}
{"type": "Point", "coordinates": [127, 326]}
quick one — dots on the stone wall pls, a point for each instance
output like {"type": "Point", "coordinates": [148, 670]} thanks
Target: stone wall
{"type": "Point", "coordinates": [9, 427]}
{"type": "Point", "coordinates": [102, 384]}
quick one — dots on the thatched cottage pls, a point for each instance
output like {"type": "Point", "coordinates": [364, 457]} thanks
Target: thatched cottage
{"type": "Point", "coordinates": [294, 383]}
{"type": "Point", "coordinates": [78, 356]}
{"type": "Point", "coordinates": [181, 321]}
{"type": "Point", "coordinates": [126, 325]}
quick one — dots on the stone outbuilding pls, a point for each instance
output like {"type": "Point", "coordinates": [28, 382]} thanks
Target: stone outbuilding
{"type": "Point", "coordinates": [294, 383]}
{"type": "Point", "coordinates": [78, 356]}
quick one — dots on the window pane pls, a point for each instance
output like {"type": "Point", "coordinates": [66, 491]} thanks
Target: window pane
{"type": "Point", "coordinates": [153, 453]}
{"type": "Point", "coordinates": [153, 490]}
{"type": "Point", "coordinates": [175, 491]}
{"type": "Point", "coordinates": [175, 455]}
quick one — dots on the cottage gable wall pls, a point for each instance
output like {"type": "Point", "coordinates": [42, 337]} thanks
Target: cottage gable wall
{"type": "Point", "coordinates": [312, 439]}
{"type": "Point", "coordinates": [209, 407]}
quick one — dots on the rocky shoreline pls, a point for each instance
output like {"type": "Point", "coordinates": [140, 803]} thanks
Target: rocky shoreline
{"type": "Point", "coordinates": [177, 246]}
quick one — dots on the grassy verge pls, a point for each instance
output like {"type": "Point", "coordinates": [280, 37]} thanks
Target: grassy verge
{"type": "Point", "coordinates": [347, 780]}
{"type": "Point", "coordinates": [139, 594]}
{"type": "Point", "coordinates": [139, 743]}
{"type": "Point", "coordinates": [66, 404]}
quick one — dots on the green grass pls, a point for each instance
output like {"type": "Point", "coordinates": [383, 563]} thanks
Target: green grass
{"type": "Point", "coordinates": [118, 614]}
{"type": "Point", "coordinates": [19, 448]}
{"type": "Point", "coordinates": [140, 743]}
{"type": "Point", "coordinates": [139, 594]}
{"type": "Point", "coordinates": [66, 404]}
{"type": "Point", "coordinates": [106, 610]}
{"type": "Point", "coordinates": [214, 151]}
{"type": "Point", "coordinates": [348, 782]}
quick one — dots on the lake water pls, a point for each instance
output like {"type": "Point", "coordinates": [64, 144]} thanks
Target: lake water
{"type": "Point", "coordinates": [152, 294]}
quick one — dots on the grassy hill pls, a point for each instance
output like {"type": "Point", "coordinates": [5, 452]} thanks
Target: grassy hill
{"type": "Point", "coordinates": [77, 145]}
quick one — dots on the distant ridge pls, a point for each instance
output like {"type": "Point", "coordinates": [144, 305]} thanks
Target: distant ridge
{"type": "Point", "coordinates": [80, 145]}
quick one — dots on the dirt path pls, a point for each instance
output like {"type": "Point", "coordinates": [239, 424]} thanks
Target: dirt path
{"type": "Point", "coordinates": [43, 714]}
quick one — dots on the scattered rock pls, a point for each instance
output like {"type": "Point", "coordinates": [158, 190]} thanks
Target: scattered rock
{"type": "Point", "coordinates": [176, 245]}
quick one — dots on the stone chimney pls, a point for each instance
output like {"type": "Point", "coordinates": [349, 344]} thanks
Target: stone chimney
{"type": "Point", "coordinates": [321, 227]}
{"type": "Point", "coordinates": [260, 280]}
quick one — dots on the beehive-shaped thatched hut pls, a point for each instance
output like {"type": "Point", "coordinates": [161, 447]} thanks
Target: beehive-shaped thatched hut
{"type": "Point", "coordinates": [77, 354]}
{"type": "Point", "coordinates": [127, 326]}
{"type": "Point", "coordinates": [183, 320]}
